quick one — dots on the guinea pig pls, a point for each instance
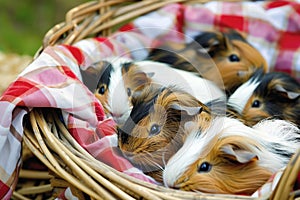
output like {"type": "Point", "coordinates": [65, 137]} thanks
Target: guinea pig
{"type": "Point", "coordinates": [225, 58]}
{"type": "Point", "coordinates": [230, 157]}
{"type": "Point", "coordinates": [112, 80]}
{"type": "Point", "coordinates": [154, 131]}
{"type": "Point", "coordinates": [165, 75]}
{"type": "Point", "coordinates": [274, 94]}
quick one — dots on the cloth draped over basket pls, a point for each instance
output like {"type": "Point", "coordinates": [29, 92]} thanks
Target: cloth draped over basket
{"type": "Point", "coordinates": [53, 79]}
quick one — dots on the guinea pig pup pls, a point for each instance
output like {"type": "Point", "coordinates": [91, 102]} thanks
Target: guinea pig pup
{"type": "Point", "coordinates": [274, 94]}
{"type": "Point", "coordinates": [213, 55]}
{"type": "Point", "coordinates": [230, 157]}
{"type": "Point", "coordinates": [154, 131]}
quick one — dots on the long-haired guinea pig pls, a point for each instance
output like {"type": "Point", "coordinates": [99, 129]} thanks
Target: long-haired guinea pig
{"type": "Point", "coordinates": [165, 75]}
{"type": "Point", "coordinates": [223, 57]}
{"type": "Point", "coordinates": [113, 80]}
{"type": "Point", "coordinates": [273, 94]}
{"type": "Point", "coordinates": [230, 157]}
{"type": "Point", "coordinates": [154, 130]}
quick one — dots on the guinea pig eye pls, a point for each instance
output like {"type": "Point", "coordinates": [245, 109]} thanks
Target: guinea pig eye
{"type": "Point", "coordinates": [204, 167]}
{"type": "Point", "coordinates": [102, 89]}
{"type": "Point", "coordinates": [256, 104]}
{"type": "Point", "coordinates": [129, 92]}
{"type": "Point", "coordinates": [154, 130]}
{"type": "Point", "coordinates": [234, 58]}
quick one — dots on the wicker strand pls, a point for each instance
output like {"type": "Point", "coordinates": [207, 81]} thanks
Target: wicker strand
{"type": "Point", "coordinates": [33, 174]}
{"type": "Point", "coordinates": [35, 189]}
{"type": "Point", "coordinates": [18, 196]}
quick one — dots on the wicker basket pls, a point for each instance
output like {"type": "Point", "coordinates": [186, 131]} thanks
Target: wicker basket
{"type": "Point", "coordinates": [69, 164]}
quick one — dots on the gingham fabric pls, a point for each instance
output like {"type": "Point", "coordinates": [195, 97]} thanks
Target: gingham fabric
{"type": "Point", "coordinates": [54, 79]}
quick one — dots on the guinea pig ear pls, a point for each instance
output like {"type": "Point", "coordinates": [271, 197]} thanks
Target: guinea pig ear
{"type": "Point", "coordinates": [142, 78]}
{"type": "Point", "coordinates": [212, 42]}
{"type": "Point", "coordinates": [191, 111]}
{"type": "Point", "coordinates": [240, 155]}
{"type": "Point", "coordinates": [290, 94]}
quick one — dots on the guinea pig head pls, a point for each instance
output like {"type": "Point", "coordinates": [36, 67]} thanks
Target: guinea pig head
{"type": "Point", "coordinates": [101, 90]}
{"type": "Point", "coordinates": [135, 79]}
{"type": "Point", "coordinates": [228, 165]}
{"type": "Point", "coordinates": [116, 84]}
{"type": "Point", "coordinates": [155, 129]}
{"type": "Point", "coordinates": [235, 59]}
{"type": "Point", "coordinates": [97, 78]}
{"type": "Point", "coordinates": [275, 94]}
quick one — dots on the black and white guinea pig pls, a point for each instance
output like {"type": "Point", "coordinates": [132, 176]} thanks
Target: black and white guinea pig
{"type": "Point", "coordinates": [274, 94]}
{"type": "Point", "coordinates": [112, 80]}
{"type": "Point", "coordinates": [230, 157]}
{"type": "Point", "coordinates": [225, 58]}
{"type": "Point", "coordinates": [154, 130]}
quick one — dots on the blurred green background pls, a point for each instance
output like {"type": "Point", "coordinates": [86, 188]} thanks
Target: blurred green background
{"type": "Point", "coordinates": [24, 23]}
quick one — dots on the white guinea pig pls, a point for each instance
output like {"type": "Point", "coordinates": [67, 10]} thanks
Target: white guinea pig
{"type": "Point", "coordinates": [230, 157]}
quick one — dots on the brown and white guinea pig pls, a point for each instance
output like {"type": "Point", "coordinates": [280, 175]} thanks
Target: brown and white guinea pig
{"type": "Point", "coordinates": [154, 131]}
{"type": "Point", "coordinates": [165, 75]}
{"type": "Point", "coordinates": [223, 57]}
{"type": "Point", "coordinates": [274, 94]}
{"type": "Point", "coordinates": [230, 157]}
{"type": "Point", "coordinates": [113, 80]}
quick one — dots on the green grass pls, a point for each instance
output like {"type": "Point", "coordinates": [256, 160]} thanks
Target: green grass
{"type": "Point", "coordinates": [23, 24]}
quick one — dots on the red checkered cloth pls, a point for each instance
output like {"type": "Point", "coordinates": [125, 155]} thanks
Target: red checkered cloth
{"type": "Point", "coordinates": [54, 80]}
{"type": "Point", "coordinates": [273, 27]}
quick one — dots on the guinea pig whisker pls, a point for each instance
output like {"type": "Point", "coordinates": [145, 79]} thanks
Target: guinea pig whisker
{"type": "Point", "coordinates": [151, 161]}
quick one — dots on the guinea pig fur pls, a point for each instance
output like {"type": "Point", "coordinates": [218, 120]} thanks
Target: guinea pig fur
{"type": "Point", "coordinates": [154, 130]}
{"type": "Point", "coordinates": [224, 57]}
{"type": "Point", "coordinates": [274, 94]}
{"type": "Point", "coordinates": [230, 157]}
{"type": "Point", "coordinates": [115, 85]}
